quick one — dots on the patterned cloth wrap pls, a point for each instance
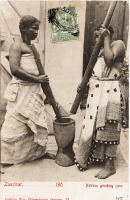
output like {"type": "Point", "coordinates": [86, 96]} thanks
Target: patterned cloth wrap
{"type": "Point", "coordinates": [24, 132]}
{"type": "Point", "coordinates": [105, 113]}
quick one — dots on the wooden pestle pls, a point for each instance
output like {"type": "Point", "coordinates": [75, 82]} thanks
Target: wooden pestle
{"type": "Point", "coordinates": [45, 86]}
{"type": "Point", "coordinates": [92, 60]}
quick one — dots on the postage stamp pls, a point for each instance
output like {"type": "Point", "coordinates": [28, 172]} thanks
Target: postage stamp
{"type": "Point", "coordinates": [63, 24]}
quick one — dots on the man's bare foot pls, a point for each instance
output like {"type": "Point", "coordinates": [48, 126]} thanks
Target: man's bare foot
{"type": "Point", "coordinates": [108, 170]}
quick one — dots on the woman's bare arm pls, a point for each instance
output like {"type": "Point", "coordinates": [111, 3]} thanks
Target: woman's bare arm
{"type": "Point", "coordinates": [14, 60]}
{"type": "Point", "coordinates": [113, 52]}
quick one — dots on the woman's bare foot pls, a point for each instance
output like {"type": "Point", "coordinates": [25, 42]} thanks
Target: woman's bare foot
{"type": "Point", "coordinates": [108, 170]}
{"type": "Point", "coordinates": [50, 156]}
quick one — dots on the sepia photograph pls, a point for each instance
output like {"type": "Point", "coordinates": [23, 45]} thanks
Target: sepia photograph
{"type": "Point", "coordinates": [64, 100]}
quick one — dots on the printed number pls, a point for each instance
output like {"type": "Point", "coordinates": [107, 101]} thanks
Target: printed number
{"type": "Point", "coordinates": [119, 198]}
{"type": "Point", "coordinates": [59, 184]}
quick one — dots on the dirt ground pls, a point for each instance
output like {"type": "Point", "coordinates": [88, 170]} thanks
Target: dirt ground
{"type": "Point", "coordinates": [44, 170]}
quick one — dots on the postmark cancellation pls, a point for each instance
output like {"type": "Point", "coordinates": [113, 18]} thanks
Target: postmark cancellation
{"type": "Point", "coordinates": [63, 24]}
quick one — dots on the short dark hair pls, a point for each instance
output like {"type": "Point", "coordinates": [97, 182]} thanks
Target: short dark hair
{"type": "Point", "coordinates": [26, 22]}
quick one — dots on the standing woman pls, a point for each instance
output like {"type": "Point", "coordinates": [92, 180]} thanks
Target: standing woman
{"type": "Point", "coordinates": [105, 108]}
{"type": "Point", "coordinates": [24, 132]}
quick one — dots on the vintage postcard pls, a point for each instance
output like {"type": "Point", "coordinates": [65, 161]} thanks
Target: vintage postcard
{"type": "Point", "coordinates": [64, 100]}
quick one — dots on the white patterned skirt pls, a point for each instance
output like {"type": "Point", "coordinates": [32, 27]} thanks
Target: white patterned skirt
{"type": "Point", "coordinates": [24, 132]}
